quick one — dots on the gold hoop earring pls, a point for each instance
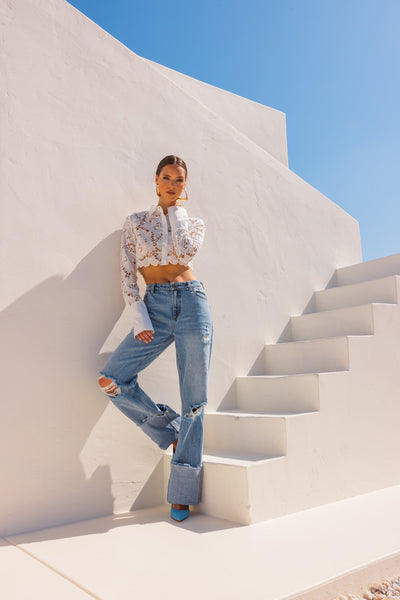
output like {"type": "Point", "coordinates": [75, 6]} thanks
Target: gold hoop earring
{"type": "Point", "coordinates": [158, 191]}
{"type": "Point", "coordinates": [186, 196]}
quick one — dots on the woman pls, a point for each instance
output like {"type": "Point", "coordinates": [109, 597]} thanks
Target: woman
{"type": "Point", "coordinates": [160, 243]}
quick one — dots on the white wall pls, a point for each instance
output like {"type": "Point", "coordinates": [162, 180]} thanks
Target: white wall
{"type": "Point", "coordinates": [262, 124]}
{"type": "Point", "coordinates": [84, 122]}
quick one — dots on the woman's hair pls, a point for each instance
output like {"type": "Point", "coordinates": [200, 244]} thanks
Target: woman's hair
{"type": "Point", "coordinates": [171, 159]}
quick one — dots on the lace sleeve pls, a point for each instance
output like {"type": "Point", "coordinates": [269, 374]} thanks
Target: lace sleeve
{"type": "Point", "coordinates": [187, 233]}
{"type": "Point", "coordinates": [129, 285]}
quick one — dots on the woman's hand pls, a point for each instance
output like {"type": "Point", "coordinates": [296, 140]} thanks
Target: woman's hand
{"type": "Point", "coordinates": [174, 203]}
{"type": "Point", "coordinates": [146, 335]}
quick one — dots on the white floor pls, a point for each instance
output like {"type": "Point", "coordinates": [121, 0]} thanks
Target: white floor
{"type": "Point", "coordinates": [145, 554]}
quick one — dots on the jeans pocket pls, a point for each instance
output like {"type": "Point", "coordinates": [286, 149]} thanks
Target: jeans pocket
{"type": "Point", "coordinates": [200, 292]}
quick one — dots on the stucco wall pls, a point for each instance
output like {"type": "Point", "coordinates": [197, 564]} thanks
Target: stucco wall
{"type": "Point", "coordinates": [262, 124]}
{"type": "Point", "coordinates": [84, 122]}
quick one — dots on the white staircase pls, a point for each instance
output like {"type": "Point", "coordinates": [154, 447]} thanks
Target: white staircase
{"type": "Point", "coordinates": [319, 418]}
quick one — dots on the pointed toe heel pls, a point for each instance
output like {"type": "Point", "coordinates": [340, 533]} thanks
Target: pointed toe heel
{"type": "Point", "coordinates": [179, 515]}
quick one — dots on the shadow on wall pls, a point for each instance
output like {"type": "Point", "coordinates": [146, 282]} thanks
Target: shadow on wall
{"type": "Point", "coordinates": [51, 339]}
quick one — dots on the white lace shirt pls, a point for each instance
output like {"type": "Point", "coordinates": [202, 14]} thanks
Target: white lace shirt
{"type": "Point", "coordinates": [151, 238]}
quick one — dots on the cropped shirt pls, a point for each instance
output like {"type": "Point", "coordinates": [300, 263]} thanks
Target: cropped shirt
{"type": "Point", "coordinates": [151, 238]}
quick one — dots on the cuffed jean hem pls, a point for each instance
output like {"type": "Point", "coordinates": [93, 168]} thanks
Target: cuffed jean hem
{"type": "Point", "coordinates": [184, 486]}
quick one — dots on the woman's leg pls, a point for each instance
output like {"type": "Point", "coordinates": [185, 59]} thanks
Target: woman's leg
{"type": "Point", "coordinates": [119, 380]}
{"type": "Point", "coordinates": [193, 340]}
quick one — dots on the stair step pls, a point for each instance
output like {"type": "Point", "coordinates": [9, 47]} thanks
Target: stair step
{"type": "Point", "coordinates": [312, 356]}
{"type": "Point", "coordinates": [385, 289]}
{"type": "Point", "coordinates": [284, 414]}
{"type": "Point", "coordinates": [353, 320]}
{"type": "Point", "coordinates": [225, 489]}
{"type": "Point", "coordinates": [366, 271]}
{"type": "Point", "coordinates": [244, 459]}
{"type": "Point", "coordinates": [278, 393]}
{"type": "Point", "coordinates": [239, 433]}
{"type": "Point", "coordinates": [231, 458]}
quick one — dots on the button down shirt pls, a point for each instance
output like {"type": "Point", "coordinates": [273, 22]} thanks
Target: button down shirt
{"type": "Point", "coordinates": [151, 238]}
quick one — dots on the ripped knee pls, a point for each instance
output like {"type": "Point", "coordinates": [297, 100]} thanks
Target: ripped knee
{"type": "Point", "coordinates": [194, 412]}
{"type": "Point", "coordinates": [207, 334]}
{"type": "Point", "coordinates": [109, 387]}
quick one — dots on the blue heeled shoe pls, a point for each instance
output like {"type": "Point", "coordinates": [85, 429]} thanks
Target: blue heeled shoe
{"type": "Point", "coordinates": [178, 514]}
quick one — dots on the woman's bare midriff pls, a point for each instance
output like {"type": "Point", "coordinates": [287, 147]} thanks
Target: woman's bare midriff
{"type": "Point", "coordinates": [166, 273]}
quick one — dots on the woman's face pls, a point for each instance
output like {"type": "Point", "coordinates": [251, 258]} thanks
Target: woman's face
{"type": "Point", "coordinates": [171, 182]}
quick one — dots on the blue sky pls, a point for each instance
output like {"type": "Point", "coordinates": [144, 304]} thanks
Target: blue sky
{"type": "Point", "coordinates": [333, 66]}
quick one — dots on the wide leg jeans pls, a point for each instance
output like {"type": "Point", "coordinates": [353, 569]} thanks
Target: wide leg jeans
{"type": "Point", "coordinates": [180, 313]}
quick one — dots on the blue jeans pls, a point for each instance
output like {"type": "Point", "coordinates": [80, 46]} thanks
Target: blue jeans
{"type": "Point", "coordinates": [179, 312]}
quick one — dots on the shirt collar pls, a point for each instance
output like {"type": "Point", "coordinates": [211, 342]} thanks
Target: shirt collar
{"type": "Point", "coordinates": [153, 208]}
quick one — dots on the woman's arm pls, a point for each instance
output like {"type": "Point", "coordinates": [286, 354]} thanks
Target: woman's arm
{"type": "Point", "coordinates": [187, 233]}
{"type": "Point", "coordinates": [129, 285]}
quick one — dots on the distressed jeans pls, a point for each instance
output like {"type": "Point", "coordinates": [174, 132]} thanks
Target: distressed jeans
{"type": "Point", "coordinates": [180, 313]}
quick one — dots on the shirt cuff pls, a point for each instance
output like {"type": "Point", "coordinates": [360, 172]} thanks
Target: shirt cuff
{"type": "Point", "coordinates": [141, 319]}
{"type": "Point", "coordinates": [177, 215]}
